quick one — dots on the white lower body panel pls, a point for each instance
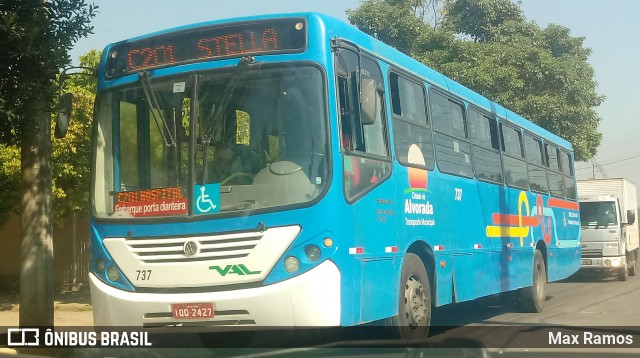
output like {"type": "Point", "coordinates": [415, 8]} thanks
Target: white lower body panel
{"type": "Point", "coordinates": [311, 299]}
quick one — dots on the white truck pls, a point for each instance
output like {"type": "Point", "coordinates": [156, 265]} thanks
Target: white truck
{"type": "Point", "coordinates": [610, 237]}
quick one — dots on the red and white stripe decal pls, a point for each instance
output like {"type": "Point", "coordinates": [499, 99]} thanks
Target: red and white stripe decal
{"type": "Point", "coordinates": [477, 246]}
{"type": "Point", "coordinates": [438, 248]}
{"type": "Point", "coordinates": [510, 246]}
{"type": "Point", "coordinates": [356, 250]}
{"type": "Point", "coordinates": [390, 249]}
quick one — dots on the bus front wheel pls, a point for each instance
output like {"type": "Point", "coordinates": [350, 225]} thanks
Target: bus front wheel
{"type": "Point", "coordinates": [414, 311]}
{"type": "Point", "coordinates": [531, 299]}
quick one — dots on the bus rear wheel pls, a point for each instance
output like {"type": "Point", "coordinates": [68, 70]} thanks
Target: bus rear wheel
{"type": "Point", "coordinates": [532, 299]}
{"type": "Point", "coordinates": [414, 311]}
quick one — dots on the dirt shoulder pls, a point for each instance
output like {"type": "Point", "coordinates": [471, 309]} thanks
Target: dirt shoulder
{"type": "Point", "coordinates": [70, 308]}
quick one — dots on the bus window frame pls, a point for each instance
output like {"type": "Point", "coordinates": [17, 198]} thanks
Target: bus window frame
{"type": "Point", "coordinates": [544, 159]}
{"type": "Point", "coordinates": [339, 44]}
{"type": "Point", "coordinates": [451, 98]}
{"type": "Point", "coordinates": [558, 168]}
{"type": "Point", "coordinates": [394, 70]}
{"type": "Point", "coordinates": [505, 123]}
{"type": "Point", "coordinates": [486, 114]}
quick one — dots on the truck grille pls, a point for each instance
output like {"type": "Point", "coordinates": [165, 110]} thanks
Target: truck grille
{"type": "Point", "coordinates": [211, 247]}
{"type": "Point", "coordinates": [591, 253]}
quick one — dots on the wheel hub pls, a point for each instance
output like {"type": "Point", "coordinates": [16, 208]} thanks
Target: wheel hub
{"type": "Point", "coordinates": [416, 302]}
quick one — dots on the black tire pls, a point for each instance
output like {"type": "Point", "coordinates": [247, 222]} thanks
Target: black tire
{"type": "Point", "coordinates": [414, 311]}
{"type": "Point", "coordinates": [623, 273]}
{"type": "Point", "coordinates": [532, 299]}
{"type": "Point", "coordinates": [632, 268]}
{"type": "Point", "coordinates": [509, 299]}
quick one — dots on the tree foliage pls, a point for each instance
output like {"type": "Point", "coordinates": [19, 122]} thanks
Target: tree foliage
{"type": "Point", "coordinates": [489, 46]}
{"type": "Point", "coordinates": [479, 18]}
{"type": "Point", "coordinates": [392, 22]}
{"type": "Point", "coordinates": [70, 157]}
{"type": "Point", "coordinates": [36, 36]}
{"type": "Point", "coordinates": [72, 154]}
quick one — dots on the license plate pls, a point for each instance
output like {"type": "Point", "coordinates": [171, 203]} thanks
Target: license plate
{"type": "Point", "coordinates": [586, 261]}
{"type": "Point", "coordinates": [192, 310]}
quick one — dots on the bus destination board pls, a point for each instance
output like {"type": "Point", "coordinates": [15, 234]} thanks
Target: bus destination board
{"type": "Point", "coordinates": [202, 44]}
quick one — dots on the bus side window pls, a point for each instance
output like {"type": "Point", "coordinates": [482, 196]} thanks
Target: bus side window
{"type": "Point", "coordinates": [567, 169]}
{"type": "Point", "coordinates": [453, 151]}
{"type": "Point", "coordinates": [486, 147]}
{"type": "Point", "coordinates": [515, 167]}
{"type": "Point", "coordinates": [410, 123]}
{"type": "Point", "coordinates": [362, 143]}
{"type": "Point", "coordinates": [556, 181]}
{"type": "Point", "coordinates": [537, 173]}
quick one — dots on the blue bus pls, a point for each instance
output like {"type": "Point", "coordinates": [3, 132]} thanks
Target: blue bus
{"type": "Point", "coordinates": [291, 171]}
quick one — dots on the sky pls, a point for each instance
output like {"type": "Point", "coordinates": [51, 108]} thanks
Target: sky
{"type": "Point", "coordinates": [610, 28]}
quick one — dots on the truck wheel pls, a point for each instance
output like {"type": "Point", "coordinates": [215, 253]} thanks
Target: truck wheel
{"type": "Point", "coordinates": [531, 299]}
{"type": "Point", "coordinates": [414, 311]}
{"type": "Point", "coordinates": [623, 273]}
{"type": "Point", "coordinates": [632, 257]}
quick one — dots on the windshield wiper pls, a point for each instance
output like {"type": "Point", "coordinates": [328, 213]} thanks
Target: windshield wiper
{"type": "Point", "coordinates": [221, 108]}
{"type": "Point", "coordinates": [246, 204]}
{"type": "Point", "coordinates": [150, 95]}
{"type": "Point", "coordinates": [152, 100]}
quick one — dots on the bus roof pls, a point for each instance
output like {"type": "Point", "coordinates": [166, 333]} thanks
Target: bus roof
{"type": "Point", "coordinates": [337, 28]}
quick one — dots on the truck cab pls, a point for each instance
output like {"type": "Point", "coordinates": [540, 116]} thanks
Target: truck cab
{"type": "Point", "coordinates": [605, 235]}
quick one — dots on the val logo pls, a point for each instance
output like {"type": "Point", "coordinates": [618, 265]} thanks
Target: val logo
{"type": "Point", "coordinates": [234, 269]}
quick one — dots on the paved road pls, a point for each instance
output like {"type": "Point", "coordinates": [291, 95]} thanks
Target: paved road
{"type": "Point", "coordinates": [581, 301]}
{"type": "Point", "coordinates": [587, 301]}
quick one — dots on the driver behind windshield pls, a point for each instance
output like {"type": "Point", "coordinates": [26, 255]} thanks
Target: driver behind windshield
{"type": "Point", "coordinates": [233, 163]}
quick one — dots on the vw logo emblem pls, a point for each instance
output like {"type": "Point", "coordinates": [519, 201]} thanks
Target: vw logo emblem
{"type": "Point", "coordinates": [190, 248]}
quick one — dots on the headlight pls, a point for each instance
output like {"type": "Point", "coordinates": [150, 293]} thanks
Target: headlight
{"type": "Point", "coordinates": [313, 252]}
{"type": "Point", "coordinates": [100, 265]}
{"type": "Point", "coordinates": [113, 274]}
{"type": "Point", "coordinates": [291, 264]}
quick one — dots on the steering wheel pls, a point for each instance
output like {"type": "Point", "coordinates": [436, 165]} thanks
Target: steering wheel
{"type": "Point", "coordinates": [235, 175]}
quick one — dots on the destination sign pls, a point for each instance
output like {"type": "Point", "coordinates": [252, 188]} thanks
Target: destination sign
{"type": "Point", "coordinates": [202, 44]}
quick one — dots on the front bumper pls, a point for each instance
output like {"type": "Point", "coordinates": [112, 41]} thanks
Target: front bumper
{"type": "Point", "coordinates": [604, 263]}
{"type": "Point", "coordinates": [310, 300]}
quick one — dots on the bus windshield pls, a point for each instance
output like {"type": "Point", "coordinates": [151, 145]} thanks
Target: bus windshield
{"type": "Point", "coordinates": [598, 213]}
{"type": "Point", "coordinates": [258, 138]}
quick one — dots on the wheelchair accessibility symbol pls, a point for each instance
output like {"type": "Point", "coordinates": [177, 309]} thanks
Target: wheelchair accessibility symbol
{"type": "Point", "coordinates": [207, 199]}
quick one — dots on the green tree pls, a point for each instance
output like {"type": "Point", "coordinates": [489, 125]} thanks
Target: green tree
{"type": "Point", "coordinates": [35, 36]}
{"type": "Point", "coordinates": [479, 18]}
{"type": "Point", "coordinates": [490, 47]}
{"type": "Point", "coordinates": [392, 22]}
{"type": "Point", "coordinates": [72, 154]}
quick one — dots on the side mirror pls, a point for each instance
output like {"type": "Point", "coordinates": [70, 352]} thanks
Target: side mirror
{"type": "Point", "coordinates": [631, 217]}
{"type": "Point", "coordinates": [370, 100]}
{"type": "Point", "coordinates": [64, 115]}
